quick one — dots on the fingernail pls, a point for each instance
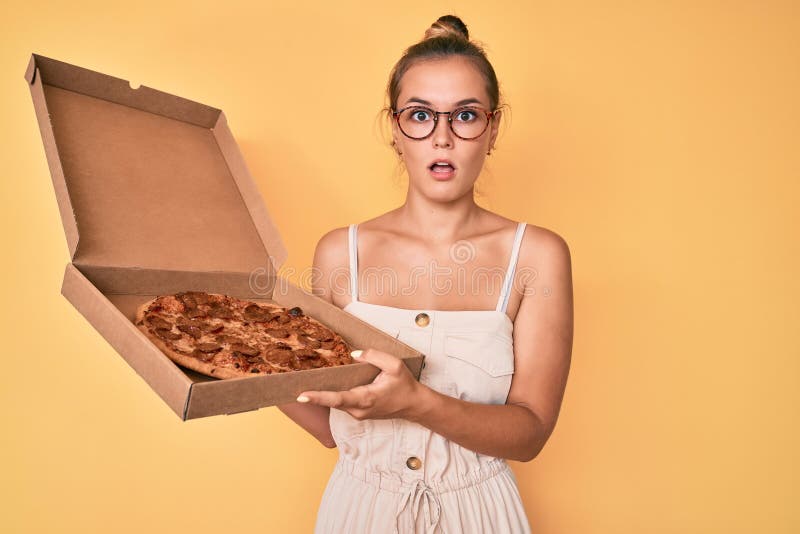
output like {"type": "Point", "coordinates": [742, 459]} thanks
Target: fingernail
{"type": "Point", "coordinates": [356, 353]}
{"type": "Point", "coordinates": [303, 398]}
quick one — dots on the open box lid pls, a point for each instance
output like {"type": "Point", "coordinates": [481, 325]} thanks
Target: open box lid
{"type": "Point", "coordinates": [145, 179]}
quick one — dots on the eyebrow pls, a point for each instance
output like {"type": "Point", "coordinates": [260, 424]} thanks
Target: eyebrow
{"type": "Point", "coordinates": [459, 103]}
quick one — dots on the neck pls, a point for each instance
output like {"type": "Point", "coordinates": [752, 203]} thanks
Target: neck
{"type": "Point", "coordinates": [443, 222]}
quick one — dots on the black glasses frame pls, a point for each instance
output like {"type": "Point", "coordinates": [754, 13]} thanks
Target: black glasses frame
{"type": "Point", "coordinates": [450, 114]}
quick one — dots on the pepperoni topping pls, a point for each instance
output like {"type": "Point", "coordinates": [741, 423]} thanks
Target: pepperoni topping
{"type": "Point", "coordinates": [278, 332]}
{"type": "Point", "coordinates": [157, 322]}
{"type": "Point", "coordinates": [187, 299]}
{"type": "Point", "coordinates": [202, 356]}
{"type": "Point", "coordinates": [209, 347]}
{"type": "Point", "coordinates": [282, 318]}
{"type": "Point", "coordinates": [279, 356]}
{"type": "Point", "coordinates": [245, 349]}
{"type": "Point", "coordinates": [309, 341]}
{"type": "Point", "coordinates": [195, 312]}
{"type": "Point", "coordinates": [256, 313]}
{"type": "Point", "coordinates": [227, 338]}
{"type": "Point", "coordinates": [167, 334]}
{"type": "Point", "coordinates": [221, 312]}
{"type": "Point", "coordinates": [311, 363]}
{"type": "Point", "coordinates": [202, 325]}
{"type": "Point", "coordinates": [191, 330]}
{"type": "Point", "coordinates": [320, 334]}
{"type": "Point", "coordinates": [201, 297]}
{"type": "Point", "coordinates": [305, 354]}
{"type": "Point", "coordinates": [215, 328]}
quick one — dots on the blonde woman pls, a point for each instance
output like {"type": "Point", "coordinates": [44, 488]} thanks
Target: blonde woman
{"type": "Point", "coordinates": [430, 455]}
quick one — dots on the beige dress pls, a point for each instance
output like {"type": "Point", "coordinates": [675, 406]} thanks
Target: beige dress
{"type": "Point", "coordinates": [396, 476]}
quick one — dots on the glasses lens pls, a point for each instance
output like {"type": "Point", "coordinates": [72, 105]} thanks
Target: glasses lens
{"type": "Point", "coordinates": [469, 122]}
{"type": "Point", "coordinates": [416, 122]}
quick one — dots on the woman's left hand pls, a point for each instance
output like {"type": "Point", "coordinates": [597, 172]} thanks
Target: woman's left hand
{"type": "Point", "coordinates": [393, 393]}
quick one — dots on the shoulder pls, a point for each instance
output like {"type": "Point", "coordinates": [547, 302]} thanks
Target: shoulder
{"type": "Point", "coordinates": [332, 248]}
{"type": "Point", "coordinates": [331, 264]}
{"type": "Point", "coordinates": [546, 253]}
{"type": "Point", "coordinates": [543, 242]}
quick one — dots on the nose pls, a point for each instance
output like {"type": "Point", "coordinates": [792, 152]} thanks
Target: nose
{"type": "Point", "coordinates": [442, 134]}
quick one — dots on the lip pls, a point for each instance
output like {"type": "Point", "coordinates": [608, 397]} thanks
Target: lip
{"type": "Point", "coordinates": [440, 160]}
{"type": "Point", "coordinates": [442, 176]}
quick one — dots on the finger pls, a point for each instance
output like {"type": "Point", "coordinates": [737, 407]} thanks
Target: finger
{"type": "Point", "coordinates": [334, 399]}
{"type": "Point", "coordinates": [321, 398]}
{"type": "Point", "coordinates": [382, 360]}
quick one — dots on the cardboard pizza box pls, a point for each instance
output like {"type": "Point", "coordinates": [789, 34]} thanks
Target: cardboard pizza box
{"type": "Point", "coordinates": [156, 198]}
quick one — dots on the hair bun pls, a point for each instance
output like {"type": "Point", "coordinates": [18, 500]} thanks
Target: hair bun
{"type": "Point", "coordinates": [446, 26]}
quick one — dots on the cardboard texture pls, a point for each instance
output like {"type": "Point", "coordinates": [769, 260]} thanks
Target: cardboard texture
{"type": "Point", "coordinates": [155, 198]}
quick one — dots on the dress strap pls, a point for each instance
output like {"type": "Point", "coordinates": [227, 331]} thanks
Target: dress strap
{"type": "Point", "coordinates": [353, 245]}
{"type": "Point", "coordinates": [502, 302]}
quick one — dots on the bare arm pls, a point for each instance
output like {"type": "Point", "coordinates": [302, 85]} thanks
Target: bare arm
{"type": "Point", "coordinates": [330, 254]}
{"type": "Point", "coordinates": [312, 418]}
{"type": "Point", "coordinates": [500, 430]}
{"type": "Point", "coordinates": [543, 332]}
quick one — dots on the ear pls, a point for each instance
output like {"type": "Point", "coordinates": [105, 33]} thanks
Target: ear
{"type": "Point", "coordinates": [396, 137]}
{"type": "Point", "coordinates": [495, 128]}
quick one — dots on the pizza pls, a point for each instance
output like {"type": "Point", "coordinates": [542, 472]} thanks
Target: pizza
{"type": "Point", "coordinates": [226, 337]}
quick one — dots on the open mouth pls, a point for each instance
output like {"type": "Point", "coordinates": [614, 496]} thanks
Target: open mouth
{"type": "Point", "coordinates": [441, 167]}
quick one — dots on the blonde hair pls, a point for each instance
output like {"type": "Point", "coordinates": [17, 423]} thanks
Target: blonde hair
{"type": "Point", "coordinates": [446, 37]}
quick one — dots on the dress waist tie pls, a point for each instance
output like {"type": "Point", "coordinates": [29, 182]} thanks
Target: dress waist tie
{"type": "Point", "coordinates": [420, 495]}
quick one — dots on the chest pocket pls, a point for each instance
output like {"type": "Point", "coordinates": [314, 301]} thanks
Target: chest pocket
{"type": "Point", "coordinates": [481, 364]}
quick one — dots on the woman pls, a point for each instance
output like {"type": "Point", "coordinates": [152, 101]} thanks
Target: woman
{"type": "Point", "coordinates": [429, 455]}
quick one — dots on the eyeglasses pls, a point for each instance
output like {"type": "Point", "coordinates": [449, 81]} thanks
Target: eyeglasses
{"type": "Point", "coordinates": [419, 122]}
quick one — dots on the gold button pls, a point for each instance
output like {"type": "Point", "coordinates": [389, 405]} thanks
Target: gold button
{"type": "Point", "coordinates": [414, 463]}
{"type": "Point", "coordinates": [422, 319]}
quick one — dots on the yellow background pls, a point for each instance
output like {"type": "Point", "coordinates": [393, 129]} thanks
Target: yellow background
{"type": "Point", "coordinates": [659, 138]}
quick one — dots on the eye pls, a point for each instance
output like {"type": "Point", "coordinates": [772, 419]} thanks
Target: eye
{"type": "Point", "coordinates": [465, 115]}
{"type": "Point", "coordinates": [420, 115]}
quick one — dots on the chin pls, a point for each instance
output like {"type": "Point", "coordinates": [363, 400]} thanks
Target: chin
{"type": "Point", "coordinates": [446, 194]}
